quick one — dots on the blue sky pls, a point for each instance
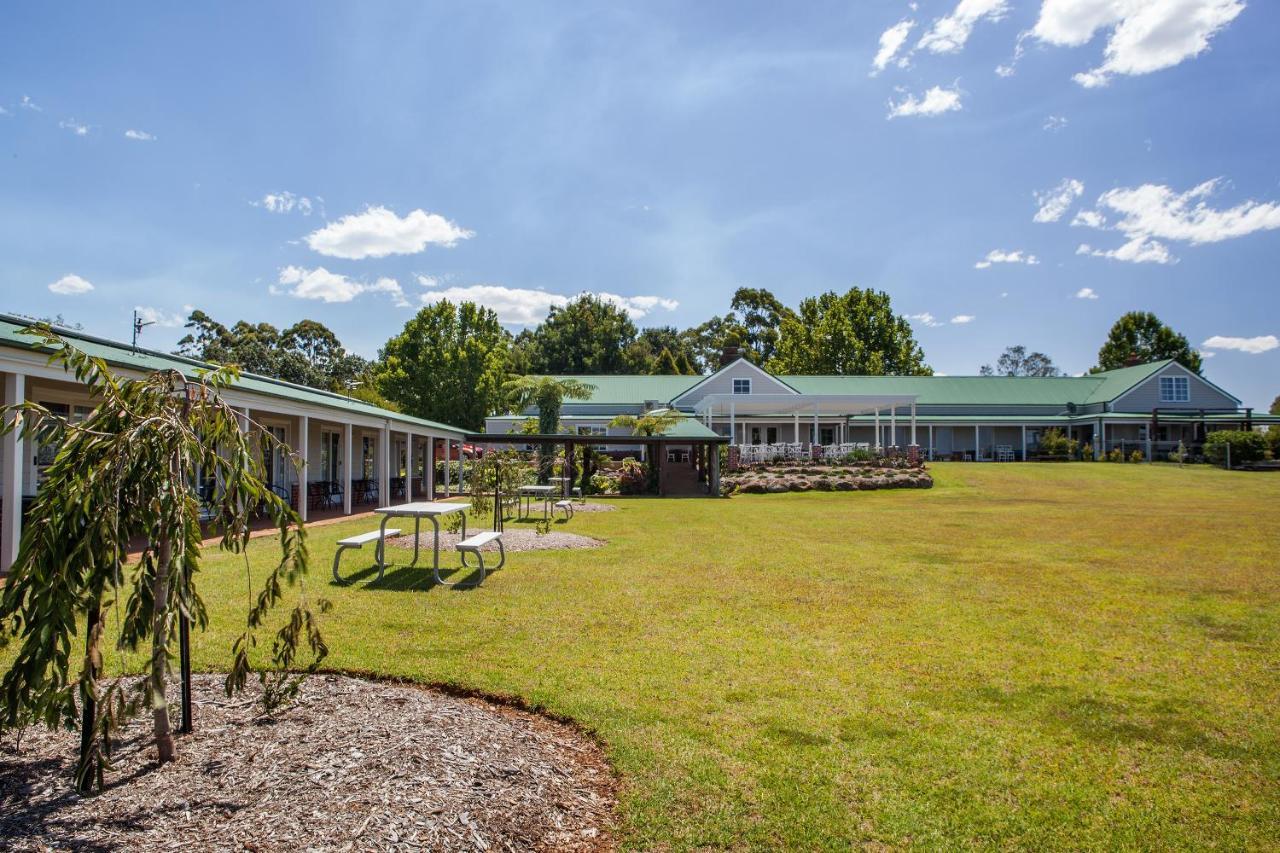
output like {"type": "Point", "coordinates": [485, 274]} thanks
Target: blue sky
{"type": "Point", "coordinates": [346, 162]}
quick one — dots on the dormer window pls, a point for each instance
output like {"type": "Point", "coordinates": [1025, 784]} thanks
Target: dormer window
{"type": "Point", "coordinates": [742, 386]}
{"type": "Point", "coordinates": [1174, 389]}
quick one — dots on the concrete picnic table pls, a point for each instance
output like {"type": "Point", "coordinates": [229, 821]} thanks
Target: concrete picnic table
{"type": "Point", "coordinates": [419, 510]}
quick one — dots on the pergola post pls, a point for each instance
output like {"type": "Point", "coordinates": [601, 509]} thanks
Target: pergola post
{"type": "Point", "coordinates": [714, 450]}
{"type": "Point", "coordinates": [347, 466]}
{"type": "Point", "coordinates": [11, 467]}
{"type": "Point", "coordinates": [304, 450]}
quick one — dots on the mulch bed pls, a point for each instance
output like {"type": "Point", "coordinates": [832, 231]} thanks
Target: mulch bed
{"type": "Point", "coordinates": [350, 765]}
{"type": "Point", "coordinates": [513, 539]}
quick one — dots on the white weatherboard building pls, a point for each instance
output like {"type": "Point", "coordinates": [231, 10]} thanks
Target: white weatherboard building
{"type": "Point", "coordinates": [356, 454]}
{"type": "Point", "coordinates": [1148, 407]}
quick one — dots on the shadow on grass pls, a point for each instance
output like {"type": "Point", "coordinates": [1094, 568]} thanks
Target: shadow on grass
{"type": "Point", "coordinates": [1167, 723]}
{"type": "Point", "coordinates": [413, 578]}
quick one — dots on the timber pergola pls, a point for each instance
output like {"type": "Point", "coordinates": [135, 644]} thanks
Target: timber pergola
{"type": "Point", "coordinates": [704, 451]}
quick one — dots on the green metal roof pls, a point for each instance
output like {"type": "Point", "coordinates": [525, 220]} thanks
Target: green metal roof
{"type": "Point", "coordinates": [122, 355]}
{"type": "Point", "coordinates": [928, 390]}
{"type": "Point", "coordinates": [691, 428]}
{"type": "Point", "coordinates": [633, 389]}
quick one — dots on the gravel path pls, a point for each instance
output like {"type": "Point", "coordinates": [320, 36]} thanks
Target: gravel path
{"type": "Point", "coordinates": [351, 765]}
{"type": "Point", "coordinates": [513, 539]}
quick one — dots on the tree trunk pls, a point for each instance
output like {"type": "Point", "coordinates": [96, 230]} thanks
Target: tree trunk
{"type": "Point", "coordinates": [159, 651]}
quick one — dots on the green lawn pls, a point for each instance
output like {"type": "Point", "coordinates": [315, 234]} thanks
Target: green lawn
{"type": "Point", "coordinates": [1047, 656]}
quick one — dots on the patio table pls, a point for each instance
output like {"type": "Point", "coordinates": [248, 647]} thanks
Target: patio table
{"type": "Point", "coordinates": [419, 510]}
{"type": "Point", "coordinates": [530, 492]}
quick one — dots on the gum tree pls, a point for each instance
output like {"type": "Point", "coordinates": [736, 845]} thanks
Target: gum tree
{"type": "Point", "coordinates": [123, 476]}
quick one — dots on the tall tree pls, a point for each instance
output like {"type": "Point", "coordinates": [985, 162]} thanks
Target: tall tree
{"type": "Point", "coordinates": [665, 365]}
{"type": "Point", "coordinates": [1275, 406]}
{"type": "Point", "coordinates": [119, 477]}
{"type": "Point", "coordinates": [447, 364]}
{"type": "Point", "coordinates": [854, 333]}
{"type": "Point", "coordinates": [587, 335]}
{"type": "Point", "coordinates": [1140, 337]}
{"type": "Point", "coordinates": [706, 341]}
{"type": "Point", "coordinates": [1016, 361]}
{"type": "Point", "coordinates": [762, 315]}
{"type": "Point", "coordinates": [647, 348]}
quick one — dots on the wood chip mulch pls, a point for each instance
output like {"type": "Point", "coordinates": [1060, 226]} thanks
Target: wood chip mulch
{"type": "Point", "coordinates": [350, 765]}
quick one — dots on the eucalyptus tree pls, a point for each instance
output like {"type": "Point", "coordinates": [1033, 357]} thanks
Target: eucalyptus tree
{"type": "Point", "coordinates": [124, 475]}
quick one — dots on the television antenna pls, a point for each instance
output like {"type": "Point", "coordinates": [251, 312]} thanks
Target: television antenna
{"type": "Point", "coordinates": [138, 326]}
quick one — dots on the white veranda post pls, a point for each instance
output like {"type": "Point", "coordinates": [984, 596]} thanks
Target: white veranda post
{"type": "Point", "coordinates": [977, 452]}
{"type": "Point", "coordinates": [384, 466]}
{"type": "Point", "coordinates": [1024, 442]}
{"type": "Point", "coordinates": [11, 467]}
{"type": "Point", "coordinates": [408, 467]}
{"type": "Point", "coordinates": [346, 469]}
{"type": "Point", "coordinates": [430, 464]}
{"type": "Point", "coordinates": [893, 427]}
{"type": "Point", "coordinates": [913, 425]}
{"type": "Point", "coordinates": [877, 443]}
{"type": "Point", "coordinates": [733, 423]}
{"type": "Point", "coordinates": [304, 454]}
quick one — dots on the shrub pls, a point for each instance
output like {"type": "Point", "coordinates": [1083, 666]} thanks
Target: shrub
{"type": "Point", "coordinates": [1086, 452]}
{"type": "Point", "coordinates": [1054, 443]}
{"type": "Point", "coordinates": [633, 478]}
{"type": "Point", "coordinates": [1116, 455]}
{"type": "Point", "coordinates": [1180, 454]}
{"type": "Point", "coordinates": [1245, 447]}
{"type": "Point", "coordinates": [1137, 456]}
{"type": "Point", "coordinates": [1273, 441]}
{"type": "Point", "coordinates": [604, 484]}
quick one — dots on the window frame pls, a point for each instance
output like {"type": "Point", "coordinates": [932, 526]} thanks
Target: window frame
{"type": "Point", "coordinates": [742, 379]}
{"type": "Point", "coordinates": [1175, 389]}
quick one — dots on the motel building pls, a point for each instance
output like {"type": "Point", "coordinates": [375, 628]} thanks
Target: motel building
{"type": "Point", "coordinates": [1147, 407]}
{"type": "Point", "coordinates": [357, 455]}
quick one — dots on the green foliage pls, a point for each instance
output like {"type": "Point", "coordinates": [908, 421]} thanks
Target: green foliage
{"type": "Point", "coordinates": [1053, 442]}
{"type": "Point", "coordinates": [665, 365]}
{"type": "Point", "coordinates": [1086, 452]}
{"type": "Point", "coordinates": [707, 340]}
{"type": "Point", "coordinates": [1016, 361]}
{"type": "Point", "coordinates": [546, 394]}
{"type": "Point", "coordinates": [447, 364]}
{"type": "Point", "coordinates": [1245, 447]}
{"type": "Point", "coordinates": [1273, 441]}
{"type": "Point", "coordinates": [1137, 456]}
{"type": "Point", "coordinates": [1140, 336]}
{"type": "Point", "coordinates": [1275, 406]}
{"type": "Point", "coordinates": [848, 334]}
{"type": "Point", "coordinates": [306, 353]}
{"type": "Point", "coordinates": [584, 336]}
{"type": "Point", "coordinates": [653, 422]}
{"type": "Point", "coordinates": [120, 476]}
{"type": "Point", "coordinates": [1179, 454]}
{"type": "Point", "coordinates": [762, 315]}
{"type": "Point", "coordinates": [1114, 455]}
{"type": "Point", "coordinates": [633, 477]}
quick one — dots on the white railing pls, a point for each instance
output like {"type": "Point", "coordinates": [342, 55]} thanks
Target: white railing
{"type": "Point", "coordinates": [753, 453]}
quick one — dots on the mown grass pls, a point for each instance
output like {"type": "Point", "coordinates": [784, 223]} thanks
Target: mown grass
{"type": "Point", "coordinates": [1034, 656]}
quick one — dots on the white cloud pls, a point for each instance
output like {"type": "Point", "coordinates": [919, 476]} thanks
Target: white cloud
{"type": "Point", "coordinates": [428, 280]}
{"type": "Point", "coordinates": [1086, 293]}
{"type": "Point", "coordinates": [4, 112]}
{"type": "Point", "coordinates": [139, 135]}
{"type": "Point", "coordinates": [961, 319]}
{"type": "Point", "coordinates": [286, 202]}
{"type": "Point", "coordinates": [935, 101]}
{"type": "Point", "coordinates": [378, 232]}
{"type": "Point", "coordinates": [327, 286]}
{"type": "Point", "coordinates": [1054, 203]}
{"type": "Point", "coordinates": [27, 104]}
{"type": "Point", "coordinates": [1136, 251]}
{"type": "Point", "coordinates": [1253, 346]}
{"type": "Point", "coordinates": [519, 306]}
{"type": "Point", "coordinates": [925, 319]}
{"type": "Point", "coordinates": [950, 33]}
{"type": "Point", "coordinates": [1145, 35]}
{"type": "Point", "coordinates": [160, 317]}
{"type": "Point", "coordinates": [1089, 219]}
{"type": "Point", "coordinates": [1054, 123]}
{"type": "Point", "coordinates": [891, 41]}
{"type": "Point", "coordinates": [1152, 212]}
{"type": "Point", "coordinates": [70, 285]}
{"type": "Point", "coordinates": [997, 256]}
{"type": "Point", "coordinates": [1208, 354]}
{"type": "Point", "coordinates": [74, 126]}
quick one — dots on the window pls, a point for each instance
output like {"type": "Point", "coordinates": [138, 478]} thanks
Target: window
{"type": "Point", "coordinates": [329, 457]}
{"type": "Point", "coordinates": [1175, 389]}
{"type": "Point", "coordinates": [772, 433]}
{"type": "Point", "coordinates": [742, 386]}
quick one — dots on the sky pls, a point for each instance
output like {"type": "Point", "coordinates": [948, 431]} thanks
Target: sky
{"type": "Point", "coordinates": [1009, 171]}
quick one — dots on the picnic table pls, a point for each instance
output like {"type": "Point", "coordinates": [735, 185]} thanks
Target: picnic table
{"type": "Point", "coordinates": [419, 510]}
{"type": "Point", "coordinates": [528, 493]}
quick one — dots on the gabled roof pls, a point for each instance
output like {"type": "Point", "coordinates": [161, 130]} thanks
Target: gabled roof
{"type": "Point", "coordinates": [737, 364]}
{"type": "Point", "coordinates": [118, 354]}
{"type": "Point", "coordinates": [1116, 382]}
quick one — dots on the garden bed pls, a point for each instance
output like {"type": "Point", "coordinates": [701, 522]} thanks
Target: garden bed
{"type": "Point", "coordinates": [351, 765]}
{"type": "Point", "coordinates": [853, 477]}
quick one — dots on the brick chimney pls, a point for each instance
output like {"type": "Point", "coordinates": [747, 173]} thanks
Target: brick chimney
{"type": "Point", "coordinates": [731, 353]}
{"type": "Point", "coordinates": [1132, 360]}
